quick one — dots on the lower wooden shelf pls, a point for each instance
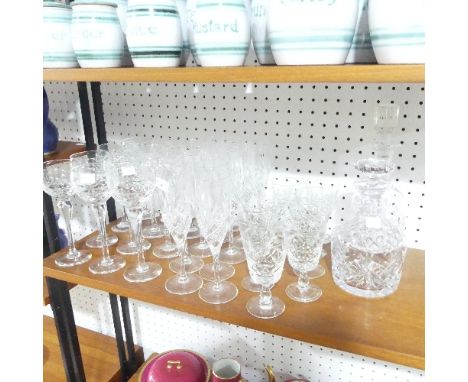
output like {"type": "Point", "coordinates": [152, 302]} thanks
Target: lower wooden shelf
{"type": "Point", "coordinates": [99, 354]}
{"type": "Point", "coordinates": [390, 329]}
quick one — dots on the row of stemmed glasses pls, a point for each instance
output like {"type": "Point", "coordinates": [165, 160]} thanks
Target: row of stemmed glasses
{"type": "Point", "coordinates": [201, 182]}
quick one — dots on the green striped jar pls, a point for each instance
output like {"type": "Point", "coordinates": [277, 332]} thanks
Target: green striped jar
{"type": "Point", "coordinates": [221, 32]}
{"type": "Point", "coordinates": [97, 36]}
{"type": "Point", "coordinates": [311, 32]}
{"type": "Point", "coordinates": [154, 33]}
{"type": "Point", "coordinates": [56, 38]}
{"type": "Point", "coordinates": [397, 31]}
{"type": "Point", "coordinates": [361, 51]}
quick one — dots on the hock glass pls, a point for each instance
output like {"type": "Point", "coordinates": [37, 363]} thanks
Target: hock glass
{"type": "Point", "coordinates": [94, 185]}
{"type": "Point", "coordinates": [57, 183]}
{"type": "Point", "coordinates": [263, 241]}
{"type": "Point", "coordinates": [134, 175]}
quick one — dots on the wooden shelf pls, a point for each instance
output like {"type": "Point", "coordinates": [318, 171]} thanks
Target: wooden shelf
{"type": "Point", "coordinates": [99, 354]}
{"type": "Point", "coordinates": [390, 329]}
{"type": "Point", "coordinates": [257, 74]}
{"type": "Point", "coordinates": [64, 150]}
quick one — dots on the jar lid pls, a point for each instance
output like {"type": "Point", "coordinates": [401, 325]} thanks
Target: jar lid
{"type": "Point", "coordinates": [56, 4]}
{"type": "Point", "coordinates": [175, 366]}
{"type": "Point", "coordinates": [93, 2]}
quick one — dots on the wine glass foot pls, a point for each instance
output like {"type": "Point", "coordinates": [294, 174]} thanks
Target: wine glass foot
{"type": "Point", "coordinates": [248, 284]}
{"type": "Point", "coordinates": [153, 231]}
{"type": "Point", "coordinates": [232, 255]}
{"type": "Point", "coordinates": [315, 273]}
{"type": "Point", "coordinates": [310, 294]}
{"type": "Point", "coordinates": [225, 271]}
{"type": "Point", "coordinates": [188, 284]}
{"type": "Point", "coordinates": [102, 267]}
{"type": "Point", "coordinates": [77, 258]}
{"type": "Point", "coordinates": [193, 265]}
{"type": "Point", "coordinates": [120, 227]}
{"type": "Point", "coordinates": [130, 247]}
{"type": "Point", "coordinates": [218, 293]}
{"type": "Point", "coordinates": [148, 271]}
{"type": "Point", "coordinates": [263, 311]}
{"type": "Point", "coordinates": [165, 251]}
{"type": "Point", "coordinates": [199, 250]}
{"type": "Point", "coordinates": [96, 242]}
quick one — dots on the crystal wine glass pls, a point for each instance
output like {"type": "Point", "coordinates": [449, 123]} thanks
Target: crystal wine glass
{"type": "Point", "coordinates": [212, 200]}
{"type": "Point", "coordinates": [134, 175]}
{"type": "Point", "coordinates": [263, 239]}
{"type": "Point", "coordinates": [57, 183]}
{"type": "Point", "coordinates": [177, 214]}
{"type": "Point", "coordinates": [306, 225]}
{"type": "Point", "coordinates": [94, 185]}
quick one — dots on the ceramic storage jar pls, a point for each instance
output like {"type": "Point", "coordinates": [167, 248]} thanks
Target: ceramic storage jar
{"type": "Point", "coordinates": [57, 42]}
{"type": "Point", "coordinates": [97, 36]}
{"type": "Point", "coordinates": [154, 33]}
{"type": "Point", "coordinates": [361, 51]}
{"type": "Point", "coordinates": [397, 31]}
{"type": "Point", "coordinates": [221, 32]}
{"type": "Point", "coordinates": [311, 32]}
{"type": "Point", "coordinates": [260, 40]}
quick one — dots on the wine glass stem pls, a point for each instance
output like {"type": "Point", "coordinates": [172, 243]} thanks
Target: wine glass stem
{"type": "Point", "coordinates": [183, 270]}
{"type": "Point", "coordinates": [125, 216]}
{"type": "Point", "coordinates": [265, 296]}
{"type": "Point", "coordinates": [66, 210]}
{"type": "Point", "coordinates": [216, 271]}
{"type": "Point", "coordinates": [135, 217]}
{"type": "Point", "coordinates": [101, 212]}
{"type": "Point", "coordinates": [303, 281]}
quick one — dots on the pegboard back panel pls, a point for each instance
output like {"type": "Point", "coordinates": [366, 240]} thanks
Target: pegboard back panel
{"type": "Point", "coordinates": [159, 329]}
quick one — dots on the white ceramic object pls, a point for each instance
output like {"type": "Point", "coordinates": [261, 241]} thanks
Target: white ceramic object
{"type": "Point", "coordinates": [221, 32]}
{"type": "Point", "coordinates": [56, 33]}
{"type": "Point", "coordinates": [397, 31]}
{"type": "Point", "coordinates": [154, 33]}
{"type": "Point", "coordinates": [122, 14]}
{"type": "Point", "coordinates": [182, 8]}
{"type": "Point", "coordinates": [97, 37]}
{"type": "Point", "coordinates": [313, 32]}
{"type": "Point", "coordinates": [361, 51]}
{"type": "Point", "coordinates": [260, 40]}
{"type": "Point", "coordinates": [190, 16]}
